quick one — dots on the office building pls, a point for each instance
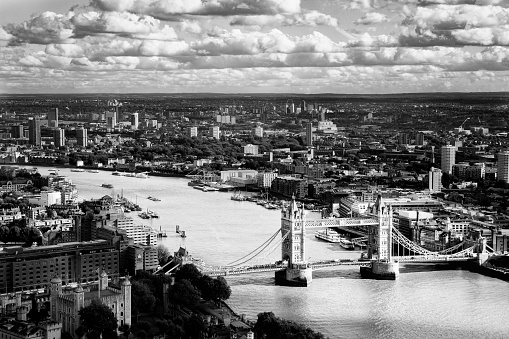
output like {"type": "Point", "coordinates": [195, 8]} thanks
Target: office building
{"type": "Point", "coordinates": [17, 132]}
{"type": "Point", "coordinates": [34, 132]}
{"type": "Point", "coordinates": [111, 120]}
{"type": "Point", "coordinates": [435, 179]}
{"type": "Point", "coordinates": [192, 131]}
{"type": "Point", "coordinates": [82, 137]}
{"type": "Point", "coordinates": [448, 154]}
{"type": "Point", "coordinates": [503, 166]}
{"type": "Point", "coordinates": [53, 118]}
{"type": "Point", "coordinates": [134, 121]}
{"type": "Point", "coordinates": [214, 132]}
{"type": "Point", "coordinates": [59, 137]}
{"type": "Point", "coordinates": [419, 139]}
{"type": "Point", "coordinates": [303, 106]}
{"type": "Point", "coordinates": [309, 134]}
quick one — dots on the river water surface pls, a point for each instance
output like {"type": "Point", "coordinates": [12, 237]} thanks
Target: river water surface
{"type": "Point", "coordinates": [420, 304]}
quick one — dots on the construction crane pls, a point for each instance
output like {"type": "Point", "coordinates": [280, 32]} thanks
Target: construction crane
{"type": "Point", "coordinates": [461, 126]}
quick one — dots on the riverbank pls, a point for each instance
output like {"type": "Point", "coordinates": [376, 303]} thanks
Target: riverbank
{"type": "Point", "coordinates": [493, 272]}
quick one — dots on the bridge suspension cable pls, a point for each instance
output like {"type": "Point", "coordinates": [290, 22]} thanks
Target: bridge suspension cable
{"type": "Point", "coordinates": [254, 256]}
{"type": "Point", "coordinates": [268, 241]}
{"type": "Point", "coordinates": [275, 246]}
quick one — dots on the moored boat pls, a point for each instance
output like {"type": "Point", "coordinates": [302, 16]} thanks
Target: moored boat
{"type": "Point", "coordinates": [328, 235]}
{"type": "Point", "coordinates": [107, 185]}
{"type": "Point", "coordinates": [346, 244]}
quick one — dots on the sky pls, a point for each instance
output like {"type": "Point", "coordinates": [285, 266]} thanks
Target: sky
{"type": "Point", "coordinates": [254, 46]}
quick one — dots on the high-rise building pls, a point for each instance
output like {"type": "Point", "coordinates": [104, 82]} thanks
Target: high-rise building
{"type": "Point", "coordinates": [309, 134]}
{"type": "Point", "coordinates": [134, 121]}
{"type": "Point", "coordinates": [53, 118]}
{"type": "Point", "coordinates": [303, 106]}
{"type": "Point", "coordinates": [289, 107]}
{"type": "Point", "coordinates": [419, 139]}
{"type": "Point", "coordinates": [448, 154]}
{"type": "Point", "coordinates": [214, 132]}
{"type": "Point", "coordinates": [193, 131]}
{"type": "Point", "coordinates": [111, 120]}
{"type": "Point", "coordinates": [17, 131]}
{"type": "Point", "coordinates": [403, 138]}
{"type": "Point", "coordinates": [503, 166]}
{"type": "Point", "coordinates": [34, 132]}
{"type": "Point", "coordinates": [82, 137]}
{"type": "Point", "coordinates": [435, 179]}
{"type": "Point", "coordinates": [59, 137]}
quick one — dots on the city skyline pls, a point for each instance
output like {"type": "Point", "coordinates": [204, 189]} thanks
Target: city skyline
{"type": "Point", "coordinates": [247, 46]}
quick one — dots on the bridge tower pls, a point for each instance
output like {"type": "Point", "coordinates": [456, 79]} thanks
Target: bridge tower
{"type": "Point", "coordinates": [380, 245]}
{"type": "Point", "coordinates": [293, 249]}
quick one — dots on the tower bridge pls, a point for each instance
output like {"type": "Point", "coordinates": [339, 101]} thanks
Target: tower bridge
{"type": "Point", "coordinates": [383, 248]}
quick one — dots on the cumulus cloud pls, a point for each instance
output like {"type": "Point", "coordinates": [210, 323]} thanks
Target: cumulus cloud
{"type": "Point", "coordinates": [190, 26]}
{"type": "Point", "coordinates": [122, 24]}
{"type": "Point", "coordinates": [371, 18]}
{"type": "Point", "coordinates": [311, 18]}
{"type": "Point", "coordinates": [44, 28]}
{"type": "Point", "coordinates": [4, 35]}
{"type": "Point", "coordinates": [171, 9]}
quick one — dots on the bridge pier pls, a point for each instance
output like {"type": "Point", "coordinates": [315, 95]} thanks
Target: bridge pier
{"type": "Point", "coordinates": [295, 275]}
{"type": "Point", "coordinates": [381, 270]}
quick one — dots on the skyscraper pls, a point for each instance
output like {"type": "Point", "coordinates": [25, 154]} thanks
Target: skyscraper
{"type": "Point", "coordinates": [59, 137]}
{"type": "Point", "coordinates": [309, 134]}
{"type": "Point", "coordinates": [53, 118]}
{"type": "Point", "coordinates": [503, 166]}
{"type": "Point", "coordinates": [134, 121]}
{"type": "Point", "coordinates": [435, 179]}
{"type": "Point", "coordinates": [82, 137]}
{"type": "Point", "coordinates": [34, 132]}
{"type": "Point", "coordinates": [303, 106]}
{"type": "Point", "coordinates": [448, 154]}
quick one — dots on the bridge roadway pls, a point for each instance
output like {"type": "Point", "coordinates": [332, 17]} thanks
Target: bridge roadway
{"type": "Point", "coordinates": [331, 263]}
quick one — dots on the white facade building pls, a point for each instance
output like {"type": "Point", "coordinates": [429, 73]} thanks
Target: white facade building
{"type": "Point", "coordinates": [435, 180]}
{"type": "Point", "coordinates": [251, 149]}
{"type": "Point", "coordinates": [503, 166]}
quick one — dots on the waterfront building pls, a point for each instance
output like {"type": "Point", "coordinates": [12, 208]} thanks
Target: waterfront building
{"type": "Point", "coordinates": [134, 121]}
{"type": "Point", "coordinates": [448, 159]}
{"type": "Point", "coordinates": [82, 137]}
{"type": "Point", "coordinates": [289, 186]}
{"type": "Point", "coordinates": [214, 132]}
{"type": "Point", "coordinates": [138, 258]}
{"type": "Point", "coordinates": [265, 179]}
{"type": "Point", "coordinates": [140, 234]}
{"type": "Point", "coordinates": [458, 228]}
{"type": "Point", "coordinates": [435, 179]}
{"type": "Point", "coordinates": [251, 149]}
{"type": "Point", "coordinates": [53, 118]}
{"type": "Point", "coordinates": [34, 132]}
{"type": "Point", "coordinates": [503, 166]}
{"type": "Point", "coordinates": [309, 134]}
{"type": "Point", "coordinates": [59, 137]}
{"type": "Point", "coordinates": [409, 222]}
{"type": "Point", "coordinates": [32, 267]}
{"type": "Point", "coordinates": [239, 178]}
{"type": "Point", "coordinates": [351, 207]}
{"type": "Point", "coordinates": [192, 131]}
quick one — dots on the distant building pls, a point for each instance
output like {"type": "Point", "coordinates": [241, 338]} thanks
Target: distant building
{"type": "Point", "coordinates": [435, 179]}
{"type": "Point", "coordinates": [53, 118]}
{"type": "Point", "coordinates": [258, 131]}
{"type": "Point", "coordinates": [59, 137]}
{"type": "Point", "coordinates": [251, 149]}
{"type": "Point", "coordinates": [82, 137]}
{"type": "Point", "coordinates": [419, 139]}
{"type": "Point", "coordinates": [214, 132]}
{"type": "Point", "coordinates": [134, 120]}
{"type": "Point", "coordinates": [290, 186]}
{"type": "Point", "coordinates": [403, 138]}
{"type": "Point", "coordinates": [327, 127]}
{"type": "Point", "coordinates": [192, 131]}
{"type": "Point", "coordinates": [265, 179]}
{"type": "Point", "coordinates": [17, 131]}
{"type": "Point", "coordinates": [309, 134]}
{"type": "Point", "coordinates": [503, 166]}
{"type": "Point", "coordinates": [448, 154]}
{"type": "Point", "coordinates": [34, 132]}
{"type": "Point", "coordinates": [111, 120]}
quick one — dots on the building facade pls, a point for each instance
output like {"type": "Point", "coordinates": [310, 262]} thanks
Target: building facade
{"type": "Point", "coordinates": [448, 154]}
{"type": "Point", "coordinates": [503, 166]}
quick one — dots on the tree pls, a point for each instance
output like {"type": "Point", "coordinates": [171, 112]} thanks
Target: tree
{"type": "Point", "coordinates": [162, 254]}
{"type": "Point", "coordinates": [194, 326]}
{"type": "Point", "coordinates": [214, 289]}
{"type": "Point", "coordinates": [188, 272]}
{"type": "Point", "coordinates": [184, 293]}
{"type": "Point", "coordinates": [98, 317]}
{"type": "Point", "coordinates": [143, 301]}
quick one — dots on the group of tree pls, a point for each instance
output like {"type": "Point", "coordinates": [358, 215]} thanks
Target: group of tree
{"type": "Point", "coordinates": [269, 326]}
{"type": "Point", "coordinates": [97, 321]}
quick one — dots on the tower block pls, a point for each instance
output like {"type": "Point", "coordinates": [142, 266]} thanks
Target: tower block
{"type": "Point", "coordinates": [380, 246]}
{"type": "Point", "coordinates": [293, 249]}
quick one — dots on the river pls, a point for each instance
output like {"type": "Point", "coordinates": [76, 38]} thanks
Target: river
{"type": "Point", "coordinates": [420, 304]}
